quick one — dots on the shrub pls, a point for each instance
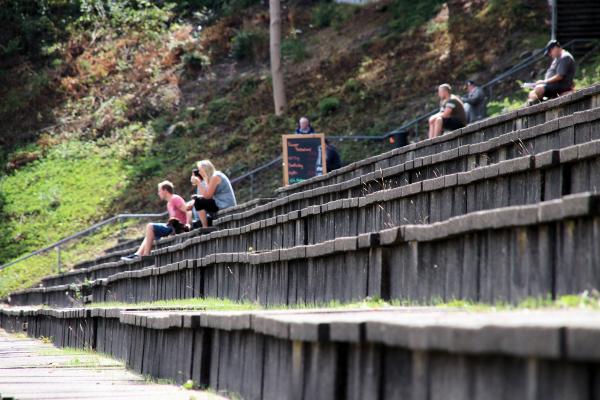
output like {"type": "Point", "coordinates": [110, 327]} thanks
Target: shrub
{"type": "Point", "coordinates": [351, 85]}
{"type": "Point", "coordinates": [328, 105]}
{"type": "Point", "coordinates": [293, 49]}
{"type": "Point", "coordinates": [195, 60]}
{"type": "Point", "coordinates": [332, 14]}
{"type": "Point", "coordinates": [219, 110]}
{"type": "Point", "coordinates": [249, 45]}
{"type": "Point", "coordinates": [410, 14]}
{"type": "Point", "coordinates": [323, 15]}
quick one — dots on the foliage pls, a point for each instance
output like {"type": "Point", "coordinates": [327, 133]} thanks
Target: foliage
{"type": "Point", "coordinates": [328, 105]}
{"type": "Point", "coordinates": [410, 14]}
{"type": "Point", "coordinates": [121, 16]}
{"type": "Point", "coordinates": [219, 109]}
{"type": "Point", "coordinates": [329, 13]}
{"type": "Point", "coordinates": [249, 45]}
{"type": "Point", "coordinates": [29, 27]}
{"type": "Point", "coordinates": [293, 49]}
{"type": "Point", "coordinates": [496, 107]}
{"type": "Point", "coordinates": [589, 74]}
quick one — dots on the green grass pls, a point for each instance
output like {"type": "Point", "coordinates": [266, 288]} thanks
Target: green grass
{"type": "Point", "coordinates": [79, 358]}
{"type": "Point", "coordinates": [585, 300]}
{"type": "Point", "coordinates": [65, 192]}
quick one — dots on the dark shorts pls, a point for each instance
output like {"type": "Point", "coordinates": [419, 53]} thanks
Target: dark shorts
{"type": "Point", "coordinates": [161, 230]}
{"type": "Point", "coordinates": [451, 124]}
{"type": "Point", "coordinates": [208, 205]}
{"type": "Point", "coordinates": [552, 90]}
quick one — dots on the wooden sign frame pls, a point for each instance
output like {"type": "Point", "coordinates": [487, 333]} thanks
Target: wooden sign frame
{"type": "Point", "coordinates": [284, 142]}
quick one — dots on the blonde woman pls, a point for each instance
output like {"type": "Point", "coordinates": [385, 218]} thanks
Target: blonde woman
{"type": "Point", "coordinates": [214, 191]}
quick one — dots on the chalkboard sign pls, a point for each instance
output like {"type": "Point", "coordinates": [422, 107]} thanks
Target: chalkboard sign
{"type": "Point", "coordinates": [303, 157]}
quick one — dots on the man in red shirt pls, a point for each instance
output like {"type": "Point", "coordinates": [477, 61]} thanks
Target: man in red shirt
{"type": "Point", "coordinates": [177, 210]}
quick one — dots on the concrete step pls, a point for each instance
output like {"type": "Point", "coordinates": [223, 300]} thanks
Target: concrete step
{"type": "Point", "coordinates": [478, 132]}
{"type": "Point", "coordinates": [343, 354]}
{"type": "Point", "coordinates": [519, 181]}
{"type": "Point", "coordinates": [115, 255]}
{"type": "Point", "coordinates": [559, 133]}
{"type": "Point", "coordinates": [504, 254]}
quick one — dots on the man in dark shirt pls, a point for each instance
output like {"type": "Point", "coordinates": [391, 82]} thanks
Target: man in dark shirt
{"type": "Point", "coordinates": [452, 114]}
{"type": "Point", "coordinates": [559, 77]}
{"type": "Point", "coordinates": [474, 102]}
{"type": "Point", "coordinates": [332, 157]}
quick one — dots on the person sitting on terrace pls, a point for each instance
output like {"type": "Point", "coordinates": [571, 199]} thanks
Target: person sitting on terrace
{"type": "Point", "coordinates": [559, 77]}
{"type": "Point", "coordinates": [332, 157]}
{"type": "Point", "coordinates": [452, 113]}
{"type": "Point", "coordinates": [177, 221]}
{"type": "Point", "coordinates": [474, 102]}
{"type": "Point", "coordinates": [304, 126]}
{"type": "Point", "coordinates": [214, 192]}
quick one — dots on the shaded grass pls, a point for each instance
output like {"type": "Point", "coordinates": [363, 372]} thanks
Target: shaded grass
{"type": "Point", "coordinates": [585, 300]}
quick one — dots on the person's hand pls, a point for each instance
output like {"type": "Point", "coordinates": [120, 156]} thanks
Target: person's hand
{"type": "Point", "coordinates": [195, 181]}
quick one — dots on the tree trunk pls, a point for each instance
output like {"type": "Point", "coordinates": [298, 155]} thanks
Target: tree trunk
{"type": "Point", "coordinates": [276, 69]}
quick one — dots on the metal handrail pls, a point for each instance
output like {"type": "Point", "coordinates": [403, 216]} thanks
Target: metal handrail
{"type": "Point", "coordinates": [534, 57]}
{"type": "Point", "coordinates": [78, 235]}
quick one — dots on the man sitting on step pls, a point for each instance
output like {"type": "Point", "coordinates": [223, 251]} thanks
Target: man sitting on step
{"type": "Point", "coordinates": [559, 77]}
{"type": "Point", "coordinates": [177, 221]}
{"type": "Point", "coordinates": [452, 114]}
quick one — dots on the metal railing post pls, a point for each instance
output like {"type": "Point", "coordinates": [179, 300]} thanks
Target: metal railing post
{"type": "Point", "coordinates": [554, 20]}
{"type": "Point", "coordinates": [58, 260]}
{"type": "Point", "coordinates": [121, 229]}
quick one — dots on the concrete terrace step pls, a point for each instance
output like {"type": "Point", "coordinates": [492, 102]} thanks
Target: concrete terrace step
{"type": "Point", "coordinates": [478, 132]}
{"type": "Point", "coordinates": [104, 266]}
{"type": "Point", "coordinates": [127, 247]}
{"type": "Point", "coordinates": [99, 271]}
{"type": "Point", "coordinates": [345, 354]}
{"type": "Point", "coordinates": [518, 181]}
{"type": "Point", "coordinates": [556, 134]}
{"type": "Point", "coordinates": [163, 242]}
{"type": "Point", "coordinates": [505, 254]}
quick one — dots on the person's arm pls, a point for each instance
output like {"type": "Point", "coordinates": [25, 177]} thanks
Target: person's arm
{"type": "Point", "coordinates": [552, 79]}
{"type": "Point", "coordinates": [477, 97]}
{"type": "Point", "coordinates": [182, 206]}
{"type": "Point", "coordinates": [561, 71]}
{"type": "Point", "coordinates": [447, 111]}
{"type": "Point", "coordinates": [208, 191]}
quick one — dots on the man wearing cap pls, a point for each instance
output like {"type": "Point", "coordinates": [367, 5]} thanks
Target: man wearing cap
{"type": "Point", "coordinates": [559, 77]}
{"type": "Point", "coordinates": [474, 102]}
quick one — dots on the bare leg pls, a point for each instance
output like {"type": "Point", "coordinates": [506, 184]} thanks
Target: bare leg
{"type": "Point", "coordinates": [536, 95]}
{"type": "Point", "coordinates": [141, 248]}
{"type": "Point", "coordinates": [146, 246]}
{"type": "Point", "coordinates": [436, 127]}
{"type": "Point", "coordinates": [203, 218]}
{"type": "Point", "coordinates": [430, 132]}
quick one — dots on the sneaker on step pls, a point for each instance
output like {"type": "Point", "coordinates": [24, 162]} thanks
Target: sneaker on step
{"type": "Point", "coordinates": [131, 257]}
